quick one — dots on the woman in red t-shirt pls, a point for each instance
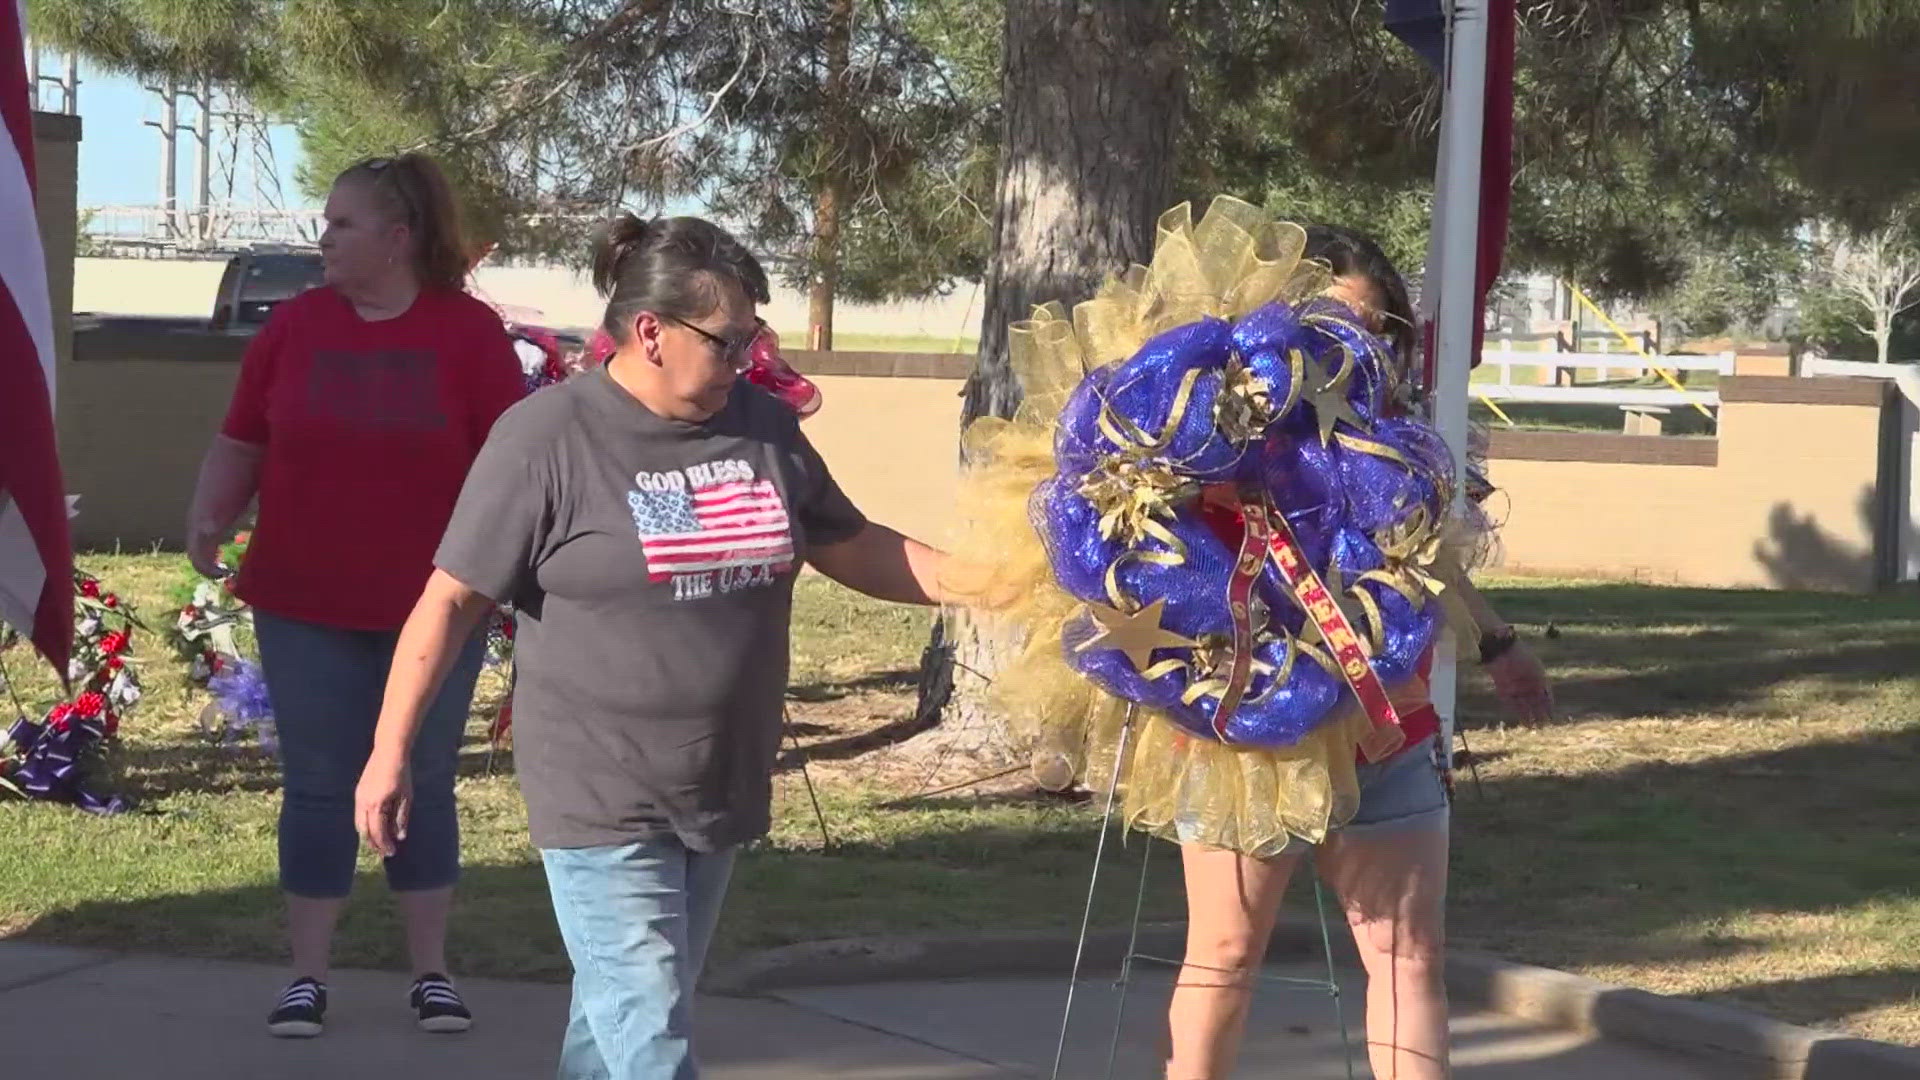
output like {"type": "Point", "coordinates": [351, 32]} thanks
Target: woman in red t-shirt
{"type": "Point", "coordinates": [359, 408]}
{"type": "Point", "coordinates": [1389, 864]}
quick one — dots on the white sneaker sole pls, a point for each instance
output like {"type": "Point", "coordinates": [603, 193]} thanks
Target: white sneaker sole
{"type": "Point", "coordinates": [294, 1029]}
{"type": "Point", "coordinates": [446, 1025]}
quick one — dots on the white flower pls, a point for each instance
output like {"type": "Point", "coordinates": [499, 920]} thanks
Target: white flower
{"type": "Point", "coordinates": [76, 668]}
{"type": "Point", "coordinates": [88, 627]}
{"type": "Point", "coordinates": [533, 359]}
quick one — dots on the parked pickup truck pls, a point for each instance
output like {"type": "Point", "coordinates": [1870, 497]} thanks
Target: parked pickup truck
{"type": "Point", "coordinates": [252, 285]}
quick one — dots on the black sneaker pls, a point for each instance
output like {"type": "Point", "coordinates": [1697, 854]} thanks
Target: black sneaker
{"type": "Point", "coordinates": [438, 1005]}
{"type": "Point", "coordinates": [302, 1010]}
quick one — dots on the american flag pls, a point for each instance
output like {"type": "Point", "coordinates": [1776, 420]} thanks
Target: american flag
{"type": "Point", "coordinates": [721, 527]}
{"type": "Point", "coordinates": [36, 561]}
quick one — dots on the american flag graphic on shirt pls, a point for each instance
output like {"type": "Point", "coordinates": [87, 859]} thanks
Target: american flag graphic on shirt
{"type": "Point", "coordinates": [721, 527]}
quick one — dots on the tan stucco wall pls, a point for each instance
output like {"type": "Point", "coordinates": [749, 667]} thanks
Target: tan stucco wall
{"type": "Point", "coordinates": [131, 430]}
{"type": "Point", "coordinates": [1788, 505]}
{"type": "Point", "coordinates": [56, 155]}
{"type": "Point", "coordinates": [894, 446]}
{"type": "Point", "coordinates": [1782, 499]}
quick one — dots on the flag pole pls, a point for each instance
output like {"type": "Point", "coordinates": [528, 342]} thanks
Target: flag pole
{"type": "Point", "coordinates": [1449, 292]}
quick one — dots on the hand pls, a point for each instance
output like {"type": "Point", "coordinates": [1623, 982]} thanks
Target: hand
{"type": "Point", "coordinates": [1522, 684]}
{"type": "Point", "coordinates": [203, 550]}
{"type": "Point", "coordinates": [381, 804]}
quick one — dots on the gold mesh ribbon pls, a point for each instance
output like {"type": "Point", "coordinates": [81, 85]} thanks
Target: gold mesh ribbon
{"type": "Point", "coordinates": [1233, 260]}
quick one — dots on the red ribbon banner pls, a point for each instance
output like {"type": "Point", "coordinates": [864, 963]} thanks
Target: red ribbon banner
{"type": "Point", "coordinates": [1387, 735]}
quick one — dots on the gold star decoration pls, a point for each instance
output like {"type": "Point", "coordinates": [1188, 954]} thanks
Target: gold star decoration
{"type": "Point", "coordinates": [1244, 406]}
{"type": "Point", "coordinates": [1330, 404]}
{"type": "Point", "coordinates": [1136, 634]}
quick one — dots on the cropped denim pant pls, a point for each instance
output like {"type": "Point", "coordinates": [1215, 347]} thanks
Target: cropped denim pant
{"type": "Point", "coordinates": [325, 685]}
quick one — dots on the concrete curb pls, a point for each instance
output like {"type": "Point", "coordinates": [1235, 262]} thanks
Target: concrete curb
{"type": "Point", "coordinates": [1721, 1040]}
{"type": "Point", "coordinates": [1724, 1040]}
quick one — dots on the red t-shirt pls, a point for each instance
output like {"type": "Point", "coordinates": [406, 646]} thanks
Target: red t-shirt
{"type": "Point", "coordinates": [1425, 720]}
{"type": "Point", "coordinates": [369, 428]}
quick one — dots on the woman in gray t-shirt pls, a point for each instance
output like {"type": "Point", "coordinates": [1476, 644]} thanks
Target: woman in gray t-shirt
{"type": "Point", "coordinates": [647, 521]}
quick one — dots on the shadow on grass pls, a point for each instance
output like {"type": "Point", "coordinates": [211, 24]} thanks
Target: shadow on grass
{"type": "Point", "coordinates": [1648, 864]}
{"type": "Point", "coordinates": [815, 693]}
{"type": "Point", "coordinates": [1638, 651]}
{"type": "Point", "coordinates": [147, 770]}
{"type": "Point", "coordinates": [957, 879]}
{"type": "Point", "coordinates": [1660, 863]}
{"type": "Point", "coordinates": [1639, 864]}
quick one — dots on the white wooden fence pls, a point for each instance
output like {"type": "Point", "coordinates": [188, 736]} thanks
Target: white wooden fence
{"type": "Point", "coordinates": [1609, 367]}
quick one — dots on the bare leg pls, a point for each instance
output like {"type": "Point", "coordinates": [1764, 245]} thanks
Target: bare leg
{"type": "Point", "coordinates": [1232, 901]}
{"type": "Point", "coordinates": [310, 926]}
{"type": "Point", "coordinates": [1393, 884]}
{"type": "Point", "coordinates": [425, 914]}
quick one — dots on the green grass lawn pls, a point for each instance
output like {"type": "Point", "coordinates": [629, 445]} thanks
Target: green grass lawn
{"type": "Point", "coordinates": [1726, 809]}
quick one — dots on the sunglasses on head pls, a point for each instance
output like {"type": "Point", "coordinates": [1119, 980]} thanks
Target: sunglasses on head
{"type": "Point", "coordinates": [378, 167]}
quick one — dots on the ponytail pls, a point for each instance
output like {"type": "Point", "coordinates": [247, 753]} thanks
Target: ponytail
{"type": "Point", "coordinates": [415, 191]}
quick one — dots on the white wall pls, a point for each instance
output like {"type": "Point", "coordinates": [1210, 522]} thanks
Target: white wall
{"type": "Point", "coordinates": [558, 295]}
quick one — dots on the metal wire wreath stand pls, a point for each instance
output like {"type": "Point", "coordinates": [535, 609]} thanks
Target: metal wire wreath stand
{"type": "Point", "coordinates": [1330, 986]}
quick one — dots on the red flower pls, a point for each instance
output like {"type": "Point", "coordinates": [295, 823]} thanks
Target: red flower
{"type": "Point", "coordinates": [89, 587]}
{"type": "Point", "coordinates": [110, 600]}
{"type": "Point", "coordinates": [90, 705]}
{"type": "Point", "coordinates": [114, 663]}
{"type": "Point", "coordinates": [60, 716]}
{"type": "Point", "coordinates": [115, 643]}
{"type": "Point", "coordinates": [190, 612]}
{"type": "Point", "coordinates": [242, 539]}
{"type": "Point", "coordinates": [215, 662]}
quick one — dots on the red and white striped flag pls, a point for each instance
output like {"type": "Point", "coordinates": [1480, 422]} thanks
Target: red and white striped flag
{"type": "Point", "coordinates": [36, 558]}
{"type": "Point", "coordinates": [1422, 25]}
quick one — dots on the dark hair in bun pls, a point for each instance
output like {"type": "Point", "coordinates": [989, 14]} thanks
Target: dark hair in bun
{"type": "Point", "coordinates": [1351, 252]}
{"type": "Point", "coordinates": [669, 266]}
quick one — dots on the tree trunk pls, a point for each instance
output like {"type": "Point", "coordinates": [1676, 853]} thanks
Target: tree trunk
{"type": "Point", "coordinates": [1092, 92]}
{"type": "Point", "coordinates": [830, 199]}
{"type": "Point", "coordinates": [826, 261]}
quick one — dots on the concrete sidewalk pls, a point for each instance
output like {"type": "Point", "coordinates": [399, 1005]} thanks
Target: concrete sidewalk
{"type": "Point", "coordinates": [76, 1015]}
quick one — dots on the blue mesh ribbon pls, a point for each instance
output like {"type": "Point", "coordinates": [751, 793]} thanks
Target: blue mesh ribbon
{"type": "Point", "coordinates": [1157, 429]}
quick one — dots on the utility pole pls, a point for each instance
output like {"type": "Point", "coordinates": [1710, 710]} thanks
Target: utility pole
{"type": "Point", "coordinates": [169, 126]}
{"type": "Point", "coordinates": [69, 82]}
{"type": "Point", "coordinates": [203, 162]}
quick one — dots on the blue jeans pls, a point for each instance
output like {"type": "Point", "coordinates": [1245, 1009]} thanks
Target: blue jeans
{"type": "Point", "coordinates": [325, 685]}
{"type": "Point", "coordinates": [636, 920]}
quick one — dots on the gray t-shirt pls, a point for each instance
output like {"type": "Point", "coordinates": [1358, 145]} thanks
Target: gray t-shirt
{"type": "Point", "coordinates": [652, 563]}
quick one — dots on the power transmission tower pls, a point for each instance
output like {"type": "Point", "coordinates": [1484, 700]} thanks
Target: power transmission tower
{"type": "Point", "coordinates": [67, 81]}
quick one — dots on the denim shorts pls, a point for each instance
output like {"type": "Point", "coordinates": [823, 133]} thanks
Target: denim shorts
{"type": "Point", "coordinates": [1403, 792]}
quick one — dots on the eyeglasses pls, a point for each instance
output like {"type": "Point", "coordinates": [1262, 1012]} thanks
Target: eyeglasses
{"type": "Point", "coordinates": [733, 352]}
